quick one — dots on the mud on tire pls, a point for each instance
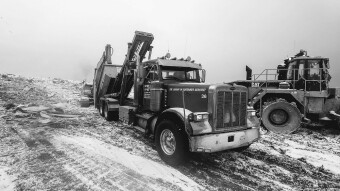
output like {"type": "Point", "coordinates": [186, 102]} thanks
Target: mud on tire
{"type": "Point", "coordinates": [171, 143]}
{"type": "Point", "coordinates": [281, 117]}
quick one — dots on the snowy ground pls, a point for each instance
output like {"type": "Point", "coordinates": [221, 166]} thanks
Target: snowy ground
{"type": "Point", "coordinates": [47, 142]}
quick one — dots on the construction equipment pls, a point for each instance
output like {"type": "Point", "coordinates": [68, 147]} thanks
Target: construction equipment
{"type": "Point", "coordinates": [296, 91]}
{"type": "Point", "coordinates": [86, 98]}
{"type": "Point", "coordinates": [172, 104]}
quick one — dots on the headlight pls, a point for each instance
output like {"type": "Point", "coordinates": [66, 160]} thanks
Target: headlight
{"type": "Point", "coordinates": [199, 116]}
{"type": "Point", "coordinates": [252, 113]}
{"type": "Point", "coordinates": [252, 119]}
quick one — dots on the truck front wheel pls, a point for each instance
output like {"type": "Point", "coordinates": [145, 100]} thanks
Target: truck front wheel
{"type": "Point", "coordinates": [171, 143]}
{"type": "Point", "coordinates": [100, 109]}
{"type": "Point", "coordinates": [281, 117]}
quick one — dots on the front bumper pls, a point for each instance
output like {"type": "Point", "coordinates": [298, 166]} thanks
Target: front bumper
{"type": "Point", "coordinates": [224, 141]}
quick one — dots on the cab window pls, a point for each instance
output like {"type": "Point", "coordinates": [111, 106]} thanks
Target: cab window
{"type": "Point", "coordinates": [291, 71]}
{"type": "Point", "coordinates": [301, 69]}
{"type": "Point", "coordinates": [152, 74]}
{"type": "Point", "coordinates": [314, 70]}
{"type": "Point", "coordinates": [181, 74]}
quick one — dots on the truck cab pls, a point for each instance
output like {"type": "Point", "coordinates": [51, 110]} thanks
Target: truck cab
{"type": "Point", "coordinates": [174, 103]}
{"type": "Point", "coordinates": [162, 73]}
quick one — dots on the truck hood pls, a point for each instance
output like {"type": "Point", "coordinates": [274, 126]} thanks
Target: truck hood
{"type": "Point", "coordinates": [195, 96]}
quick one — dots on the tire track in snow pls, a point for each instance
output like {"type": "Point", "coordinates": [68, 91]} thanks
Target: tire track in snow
{"type": "Point", "coordinates": [123, 170]}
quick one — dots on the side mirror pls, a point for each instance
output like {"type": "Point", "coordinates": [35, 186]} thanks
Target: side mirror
{"type": "Point", "coordinates": [203, 76]}
{"type": "Point", "coordinates": [327, 64]}
{"type": "Point", "coordinates": [132, 65]}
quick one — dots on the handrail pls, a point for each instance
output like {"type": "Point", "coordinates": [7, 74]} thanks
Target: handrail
{"type": "Point", "coordinates": [259, 74]}
{"type": "Point", "coordinates": [295, 78]}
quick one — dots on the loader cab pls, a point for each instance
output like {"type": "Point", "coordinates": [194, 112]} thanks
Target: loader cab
{"type": "Point", "coordinates": [306, 73]}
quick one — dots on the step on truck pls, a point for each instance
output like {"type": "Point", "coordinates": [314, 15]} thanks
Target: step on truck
{"type": "Point", "coordinates": [296, 91]}
{"type": "Point", "coordinates": [167, 99]}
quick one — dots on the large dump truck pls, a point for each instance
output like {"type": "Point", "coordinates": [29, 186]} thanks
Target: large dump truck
{"type": "Point", "coordinates": [172, 104]}
{"type": "Point", "coordinates": [296, 91]}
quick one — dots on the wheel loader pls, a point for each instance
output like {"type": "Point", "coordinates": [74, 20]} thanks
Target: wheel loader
{"type": "Point", "coordinates": [296, 91]}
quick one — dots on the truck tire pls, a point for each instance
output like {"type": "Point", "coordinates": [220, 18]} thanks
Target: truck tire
{"type": "Point", "coordinates": [281, 117]}
{"type": "Point", "coordinates": [109, 115]}
{"type": "Point", "coordinates": [100, 109]}
{"type": "Point", "coordinates": [171, 143]}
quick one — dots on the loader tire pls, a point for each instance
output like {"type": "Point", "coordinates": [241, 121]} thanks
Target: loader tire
{"type": "Point", "coordinates": [281, 117]}
{"type": "Point", "coordinates": [110, 115]}
{"type": "Point", "coordinates": [171, 143]}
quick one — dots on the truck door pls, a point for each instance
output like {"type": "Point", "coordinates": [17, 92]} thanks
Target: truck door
{"type": "Point", "coordinates": [152, 75]}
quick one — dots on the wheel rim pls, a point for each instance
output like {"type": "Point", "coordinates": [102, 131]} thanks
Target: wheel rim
{"type": "Point", "coordinates": [168, 142]}
{"type": "Point", "coordinates": [278, 116]}
{"type": "Point", "coordinates": [105, 111]}
{"type": "Point", "coordinates": [100, 110]}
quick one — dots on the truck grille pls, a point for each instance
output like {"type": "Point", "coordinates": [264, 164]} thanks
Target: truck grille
{"type": "Point", "coordinates": [231, 109]}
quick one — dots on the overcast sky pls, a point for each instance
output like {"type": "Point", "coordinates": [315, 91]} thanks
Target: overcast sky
{"type": "Point", "coordinates": [65, 38]}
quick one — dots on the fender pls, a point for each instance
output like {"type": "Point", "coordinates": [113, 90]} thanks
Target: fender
{"type": "Point", "coordinates": [290, 94]}
{"type": "Point", "coordinates": [176, 114]}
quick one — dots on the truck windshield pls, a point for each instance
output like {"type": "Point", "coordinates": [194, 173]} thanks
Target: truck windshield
{"type": "Point", "coordinates": [182, 74]}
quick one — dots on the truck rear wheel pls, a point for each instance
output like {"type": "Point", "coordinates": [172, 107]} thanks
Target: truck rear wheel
{"type": "Point", "coordinates": [109, 115]}
{"type": "Point", "coordinates": [281, 117]}
{"type": "Point", "coordinates": [100, 109]}
{"type": "Point", "coordinates": [171, 143]}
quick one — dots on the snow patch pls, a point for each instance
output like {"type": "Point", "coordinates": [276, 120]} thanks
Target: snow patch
{"type": "Point", "coordinates": [256, 162]}
{"type": "Point", "coordinates": [6, 181]}
{"type": "Point", "coordinates": [294, 144]}
{"type": "Point", "coordinates": [139, 164]}
{"type": "Point", "coordinates": [266, 149]}
{"type": "Point", "coordinates": [328, 161]}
